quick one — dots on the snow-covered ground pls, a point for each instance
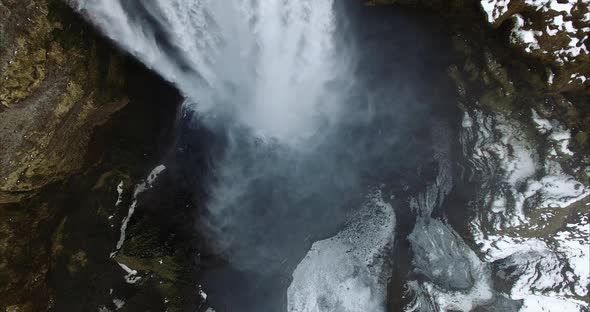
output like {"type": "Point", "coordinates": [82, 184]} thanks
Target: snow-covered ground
{"type": "Point", "coordinates": [547, 28]}
{"type": "Point", "coordinates": [453, 277]}
{"type": "Point", "coordinates": [531, 219]}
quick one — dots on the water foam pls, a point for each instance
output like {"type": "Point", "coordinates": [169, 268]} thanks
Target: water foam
{"type": "Point", "coordinates": [267, 65]}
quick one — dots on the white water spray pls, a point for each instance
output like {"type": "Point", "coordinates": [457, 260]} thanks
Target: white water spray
{"type": "Point", "coordinates": [267, 65]}
{"type": "Point", "coordinates": [270, 68]}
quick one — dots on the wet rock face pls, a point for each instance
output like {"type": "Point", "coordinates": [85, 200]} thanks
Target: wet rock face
{"type": "Point", "coordinates": [78, 119]}
{"type": "Point", "coordinates": [52, 94]}
{"type": "Point", "coordinates": [55, 247]}
{"type": "Point", "coordinates": [58, 83]}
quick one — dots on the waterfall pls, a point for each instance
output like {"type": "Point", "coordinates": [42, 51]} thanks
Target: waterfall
{"type": "Point", "coordinates": [267, 76]}
{"type": "Point", "coordinates": [328, 167]}
{"type": "Point", "coordinates": [267, 65]}
{"type": "Point", "coordinates": [309, 128]}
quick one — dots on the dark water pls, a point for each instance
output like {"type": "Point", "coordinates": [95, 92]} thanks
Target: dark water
{"type": "Point", "coordinates": [401, 89]}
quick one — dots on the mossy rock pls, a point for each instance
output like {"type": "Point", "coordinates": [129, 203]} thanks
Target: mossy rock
{"type": "Point", "coordinates": [496, 102]}
{"type": "Point", "coordinates": [60, 73]}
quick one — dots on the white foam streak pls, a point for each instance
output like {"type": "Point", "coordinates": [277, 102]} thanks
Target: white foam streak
{"type": "Point", "coordinates": [140, 188]}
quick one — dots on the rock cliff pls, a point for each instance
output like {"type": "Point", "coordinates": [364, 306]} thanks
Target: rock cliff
{"type": "Point", "coordinates": [81, 126]}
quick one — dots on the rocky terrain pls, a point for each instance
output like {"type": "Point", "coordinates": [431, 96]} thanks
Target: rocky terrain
{"type": "Point", "coordinates": [552, 33]}
{"type": "Point", "coordinates": [521, 76]}
{"type": "Point", "coordinates": [549, 54]}
{"type": "Point", "coordinates": [51, 71]}
{"type": "Point", "coordinates": [81, 127]}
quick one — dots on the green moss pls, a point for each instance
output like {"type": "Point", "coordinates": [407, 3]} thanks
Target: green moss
{"type": "Point", "coordinates": [77, 261]}
{"type": "Point", "coordinates": [455, 75]}
{"type": "Point", "coordinates": [472, 70]}
{"type": "Point", "coordinates": [559, 219]}
{"type": "Point", "coordinates": [572, 117]}
{"type": "Point", "coordinates": [496, 102]}
{"type": "Point", "coordinates": [58, 238]}
{"type": "Point", "coordinates": [71, 34]}
{"type": "Point", "coordinates": [499, 73]}
{"type": "Point", "coordinates": [144, 240]}
{"type": "Point", "coordinates": [165, 267]}
{"type": "Point", "coordinates": [163, 275]}
{"type": "Point", "coordinates": [26, 307]}
{"type": "Point", "coordinates": [110, 179]}
{"type": "Point", "coordinates": [581, 140]}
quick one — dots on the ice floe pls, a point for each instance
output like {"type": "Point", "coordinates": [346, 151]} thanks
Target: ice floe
{"type": "Point", "coordinates": [348, 272]}
{"type": "Point", "coordinates": [453, 278]}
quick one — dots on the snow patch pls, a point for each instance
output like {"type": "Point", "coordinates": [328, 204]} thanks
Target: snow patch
{"type": "Point", "coordinates": [544, 125]}
{"type": "Point", "coordinates": [574, 243]}
{"type": "Point", "coordinates": [559, 22]}
{"type": "Point", "coordinates": [562, 7]}
{"type": "Point", "coordinates": [118, 303]}
{"type": "Point", "coordinates": [535, 303]}
{"type": "Point", "coordinates": [556, 191]}
{"type": "Point", "coordinates": [119, 193]}
{"type": "Point", "coordinates": [579, 77]}
{"type": "Point", "coordinates": [526, 36]}
{"type": "Point", "coordinates": [480, 294]}
{"type": "Point", "coordinates": [131, 277]}
{"type": "Point", "coordinates": [202, 293]}
{"type": "Point", "coordinates": [466, 122]}
{"type": "Point", "coordinates": [562, 137]}
{"type": "Point", "coordinates": [140, 188]}
{"type": "Point", "coordinates": [494, 9]}
{"type": "Point", "coordinates": [547, 271]}
{"type": "Point", "coordinates": [551, 75]}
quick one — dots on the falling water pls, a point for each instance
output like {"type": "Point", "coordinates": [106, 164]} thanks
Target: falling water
{"type": "Point", "coordinates": [267, 65]}
{"type": "Point", "coordinates": [308, 136]}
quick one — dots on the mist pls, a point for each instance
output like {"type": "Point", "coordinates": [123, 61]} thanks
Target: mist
{"type": "Point", "coordinates": [309, 115]}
